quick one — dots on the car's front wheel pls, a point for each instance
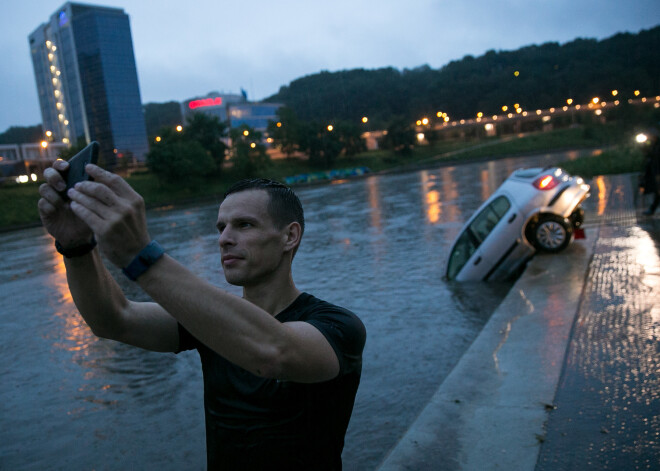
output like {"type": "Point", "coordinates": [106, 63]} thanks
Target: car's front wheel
{"type": "Point", "coordinates": [550, 233]}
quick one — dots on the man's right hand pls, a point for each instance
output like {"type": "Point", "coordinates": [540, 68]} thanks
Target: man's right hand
{"type": "Point", "coordinates": [55, 212]}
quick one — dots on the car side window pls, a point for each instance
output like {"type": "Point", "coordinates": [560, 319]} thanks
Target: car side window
{"type": "Point", "coordinates": [488, 218]}
{"type": "Point", "coordinates": [501, 205]}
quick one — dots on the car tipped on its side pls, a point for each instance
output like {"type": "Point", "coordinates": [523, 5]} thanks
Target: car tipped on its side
{"type": "Point", "coordinates": [535, 209]}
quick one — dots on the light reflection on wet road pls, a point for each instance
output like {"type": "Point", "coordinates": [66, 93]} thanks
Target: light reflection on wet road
{"type": "Point", "coordinates": [376, 246]}
{"type": "Point", "coordinates": [608, 399]}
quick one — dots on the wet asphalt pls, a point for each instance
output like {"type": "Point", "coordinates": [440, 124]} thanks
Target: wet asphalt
{"type": "Point", "coordinates": [607, 414]}
{"type": "Point", "coordinates": [566, 374]}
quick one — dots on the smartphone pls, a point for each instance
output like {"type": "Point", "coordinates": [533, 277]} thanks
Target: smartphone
{"type": "Point", "coordinates": [76, 171]}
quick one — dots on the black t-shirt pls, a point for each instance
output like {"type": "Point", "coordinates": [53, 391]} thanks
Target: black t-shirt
{"type": "Point", "coordinates": [255, 423]}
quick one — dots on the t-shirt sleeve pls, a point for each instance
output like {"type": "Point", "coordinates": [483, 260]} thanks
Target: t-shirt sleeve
{"type": "Point", "coordinates": [186, 340]}
{"type": "Point", "coordinates": [346, 334]}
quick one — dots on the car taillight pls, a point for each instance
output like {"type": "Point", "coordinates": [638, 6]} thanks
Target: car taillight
{"type": "Point", "coordinates": [546, 182]}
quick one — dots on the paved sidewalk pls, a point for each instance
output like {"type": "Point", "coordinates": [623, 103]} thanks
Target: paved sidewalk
{"type": "Point", "coordinates": [607, 413]}
{"type": "Point", "coordinates": [565, 373]}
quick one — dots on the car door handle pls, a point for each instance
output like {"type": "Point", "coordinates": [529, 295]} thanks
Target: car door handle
{"type": "Point", "coordinates": [477, 261]}
{"type": "Point", "coordinates": [512, 218]}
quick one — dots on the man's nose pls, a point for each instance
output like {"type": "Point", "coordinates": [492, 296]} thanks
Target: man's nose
{"type": "Point", "coordinates": [225, 238]}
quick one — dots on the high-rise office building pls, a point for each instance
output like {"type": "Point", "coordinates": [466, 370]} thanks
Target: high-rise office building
{"type": "Point", "coordinates": [87, 82]}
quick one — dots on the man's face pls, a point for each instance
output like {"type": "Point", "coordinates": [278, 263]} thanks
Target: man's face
{"type": "Point", "coordinates": [251, 246]}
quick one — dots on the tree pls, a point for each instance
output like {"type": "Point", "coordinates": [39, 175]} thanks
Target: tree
{"type": "Point", "coordinates": [400, 137]}
{"type": "Point", "coordinates": [350, 135]}
{"type": "Point", "coordinates": [209, 131]}
{"type": "Point", "coordinates": [249, 155]}
{"type": "Point", "coordinates": [179, 160]}
{"type": "Point", "coordinates": [321, 143]}
{"type": "Point", "coordinates": [286, 131]}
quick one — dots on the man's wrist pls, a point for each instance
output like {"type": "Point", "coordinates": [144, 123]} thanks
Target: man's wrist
{"type": "Point", "coordinates": [77, 250]}
{"type": "Point", "coordinates": [148, 256]}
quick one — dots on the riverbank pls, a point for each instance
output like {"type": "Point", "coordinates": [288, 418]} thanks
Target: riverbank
{"type": "Point", "coordinates": [19, 202]}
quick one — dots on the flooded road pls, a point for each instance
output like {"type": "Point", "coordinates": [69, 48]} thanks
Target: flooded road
{"type": "Point", "coordinates": [376, 246]}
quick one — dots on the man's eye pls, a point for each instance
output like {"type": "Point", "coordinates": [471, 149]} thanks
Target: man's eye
{"type": "Point", "coordinates": [246, 224]}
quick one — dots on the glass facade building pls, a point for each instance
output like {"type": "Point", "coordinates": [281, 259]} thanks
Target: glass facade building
{"type": "Point", "coordinates": [234, 109]}
{"type": "Point", "coordinates": [84, 66]}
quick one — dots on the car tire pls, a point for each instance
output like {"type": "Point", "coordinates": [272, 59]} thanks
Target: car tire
{"type": "Point", "coordinates": [550, 233]}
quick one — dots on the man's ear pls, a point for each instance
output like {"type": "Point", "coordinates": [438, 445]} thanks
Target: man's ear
{"type": "Point", "coordinates": [292, 236]}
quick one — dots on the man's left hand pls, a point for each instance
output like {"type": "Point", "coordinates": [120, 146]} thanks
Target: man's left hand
{"type": "Point", "coordinates": [114, 211]}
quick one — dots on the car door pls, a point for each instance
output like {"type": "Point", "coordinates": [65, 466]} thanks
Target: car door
{"type": "Point", "coordinates": [499, 228]}
{"type": "Point", "coordinates": [494, 233]}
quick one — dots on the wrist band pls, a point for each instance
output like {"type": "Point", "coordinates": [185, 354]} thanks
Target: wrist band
{"type": "Point", "coordinates": [77, 251]}
{"type": "Point", "coordinates": [143, 260]}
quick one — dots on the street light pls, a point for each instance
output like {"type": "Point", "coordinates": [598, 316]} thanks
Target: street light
{"type": "Point", "coordinates": [179, 128]}
{"type": "Point", "coordinates": [365, 119]}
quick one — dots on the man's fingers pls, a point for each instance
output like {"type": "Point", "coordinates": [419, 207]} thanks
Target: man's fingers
{"type": "Point", "coordinates": [95, 197]}
{"type": "Point", "coordinates": [95, 190]}
{"type": "Point", "coordinates": [46, 207]}
{"type": "Point", "coordinates": [93, 220]}
{"type": "Point", "coordinates": [49, 194]}
{"type": "Point", "coordinates": [114, 182]}
{"type": "Point", "coordinates": [54, 178]}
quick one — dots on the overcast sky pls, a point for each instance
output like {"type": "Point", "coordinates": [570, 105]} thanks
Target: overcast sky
{"type": "Point", "coordinates": [189, 48]}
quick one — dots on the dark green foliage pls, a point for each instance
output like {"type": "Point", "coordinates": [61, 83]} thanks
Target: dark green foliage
{"type": "Point", "coordinates": [181, 161]}
{"type": "Point", "coordinates": [400, 138]}
{"type": "Point", "coordinates": [208, 131]}
{"type": "Point", "coordinates": [22, 135]}
{"type": "Point", "coordinates": [547, 75]}
{"type": "Point", "coordinates": [286, 132]}
{"type": "Point", "coordinates": [249, 157]}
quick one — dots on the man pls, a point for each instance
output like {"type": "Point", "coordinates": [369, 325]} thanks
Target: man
{"type": "Point", "coordinates": [281, 368]}
{"type": "Point", "coordinates": [651, 175]}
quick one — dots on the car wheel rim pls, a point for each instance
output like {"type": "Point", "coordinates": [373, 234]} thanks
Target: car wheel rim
{"type": "Point", "coordinates": [551, 234]}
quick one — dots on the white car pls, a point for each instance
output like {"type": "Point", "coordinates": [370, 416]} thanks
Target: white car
{"type": "Point", "coordinates": [535, 209]}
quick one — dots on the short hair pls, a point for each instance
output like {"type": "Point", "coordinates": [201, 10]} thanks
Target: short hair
{"type": "Point", "coordinates": [284, 206]}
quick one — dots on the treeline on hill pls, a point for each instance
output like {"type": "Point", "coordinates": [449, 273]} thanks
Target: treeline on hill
{"type": "Point", "coordinates": [547, 75]}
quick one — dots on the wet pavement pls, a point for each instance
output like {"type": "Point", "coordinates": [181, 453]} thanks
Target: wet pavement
{"type": "Point", "coordinates": [607, 414]}
{"type": "Point", "coordinates": [565, 375]}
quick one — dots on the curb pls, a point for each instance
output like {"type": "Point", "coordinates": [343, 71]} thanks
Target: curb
{"type": "Point", "coordinates": [489, 413]}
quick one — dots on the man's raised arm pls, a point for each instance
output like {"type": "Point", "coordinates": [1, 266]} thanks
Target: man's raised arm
{"type": "Point", "coordinates": [96, 294]}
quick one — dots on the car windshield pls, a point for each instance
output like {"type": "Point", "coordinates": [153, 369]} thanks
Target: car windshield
{"type": "Point", "coordinates": [462, 252]}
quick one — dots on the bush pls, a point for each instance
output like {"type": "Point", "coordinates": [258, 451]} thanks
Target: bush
{"type": "Point", "coordinates": [185, 163]}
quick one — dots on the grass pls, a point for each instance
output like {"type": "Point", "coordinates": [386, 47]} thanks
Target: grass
{"type": "Point", "coordinates": [19, 202]}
